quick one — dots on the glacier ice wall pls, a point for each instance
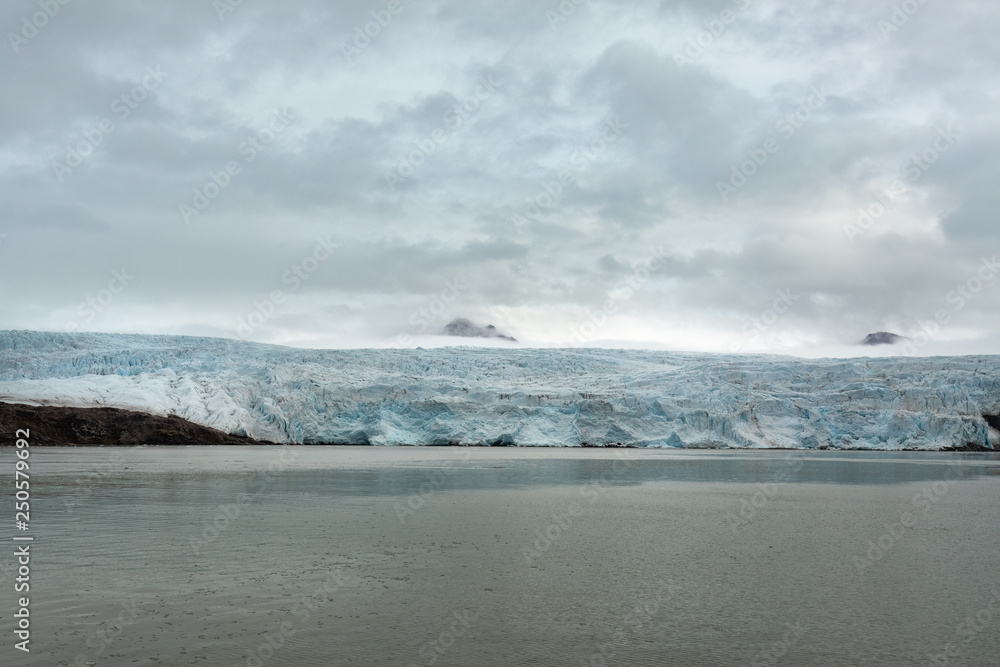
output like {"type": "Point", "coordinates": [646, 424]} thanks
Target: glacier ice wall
{"type": "Point", "coordinates": [512, 396]}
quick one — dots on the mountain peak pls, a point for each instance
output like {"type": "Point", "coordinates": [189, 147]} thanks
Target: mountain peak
{"type": "Point", "coordinates": [461, 326]}
{"type": "Point", "coordinates": [883, 338]}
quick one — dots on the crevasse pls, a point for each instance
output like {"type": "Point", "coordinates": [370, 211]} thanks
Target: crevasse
{"type": "Point", "coordinates": [464, 395]}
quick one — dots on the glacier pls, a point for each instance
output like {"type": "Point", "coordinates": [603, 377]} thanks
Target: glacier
{"type": "Point", "coordinates": [518, 396]}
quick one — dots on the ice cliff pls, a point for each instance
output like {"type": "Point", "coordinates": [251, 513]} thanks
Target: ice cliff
{"type": "Point", "coordinates": [512, 396]}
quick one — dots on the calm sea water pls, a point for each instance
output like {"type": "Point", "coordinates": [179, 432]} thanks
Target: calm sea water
{"type": "Point", "coordinates": [451, 556]}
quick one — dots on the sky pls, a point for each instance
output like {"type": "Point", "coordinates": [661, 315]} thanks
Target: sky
{"type": "Point", "coordinates": [722, 176]}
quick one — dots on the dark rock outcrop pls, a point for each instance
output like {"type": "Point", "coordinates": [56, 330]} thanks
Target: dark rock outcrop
{"type": "Point", "coordinates": [466, 328]}
{"type": "Point", "coordinates": [56, 426]}
{"type": "Point", "coordinates": [883, 338]}
{"type": "Point", "coordinates": [968, 447]}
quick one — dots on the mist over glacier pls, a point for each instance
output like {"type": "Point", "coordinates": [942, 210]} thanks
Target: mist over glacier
{"type": "Point", "coordinates": [555, 397]}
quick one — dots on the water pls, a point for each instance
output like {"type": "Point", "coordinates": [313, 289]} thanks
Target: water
{"type": "Point", "coordinates": [454, 556]}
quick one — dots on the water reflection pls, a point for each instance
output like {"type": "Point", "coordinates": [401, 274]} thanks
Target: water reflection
{"type": "Point", "coordinates": [367, 471]}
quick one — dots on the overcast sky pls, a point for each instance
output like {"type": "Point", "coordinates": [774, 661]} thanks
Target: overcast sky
{"type": "Point", "coordinates": [676, 174]}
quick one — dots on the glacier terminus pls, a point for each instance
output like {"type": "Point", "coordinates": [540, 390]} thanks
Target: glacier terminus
{"type": "Point", "coordinates": [519, 396]}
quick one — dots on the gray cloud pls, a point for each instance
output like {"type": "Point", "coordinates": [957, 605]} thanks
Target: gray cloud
{"type": "Point", "coordinates": [421, 175]}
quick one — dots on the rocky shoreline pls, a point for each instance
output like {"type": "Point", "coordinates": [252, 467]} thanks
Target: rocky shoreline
{"type": "Point", "coordinates": [59, 426]}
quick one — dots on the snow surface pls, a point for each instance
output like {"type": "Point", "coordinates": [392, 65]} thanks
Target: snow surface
{"type": "Point", "coordinates": [515, 396]}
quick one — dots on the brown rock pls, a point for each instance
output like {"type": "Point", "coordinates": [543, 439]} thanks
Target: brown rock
{"type": "Point", "coordinates": [57, 426]}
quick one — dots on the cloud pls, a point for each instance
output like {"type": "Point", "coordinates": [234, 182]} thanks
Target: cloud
{"type": "Point", "coordinates": [509, 189]}
{"type": "Point", "coordinates": [62, 217]}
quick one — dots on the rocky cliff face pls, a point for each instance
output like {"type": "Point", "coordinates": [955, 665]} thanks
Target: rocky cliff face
{"type": "Point", "coordinates": [50, 425]}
